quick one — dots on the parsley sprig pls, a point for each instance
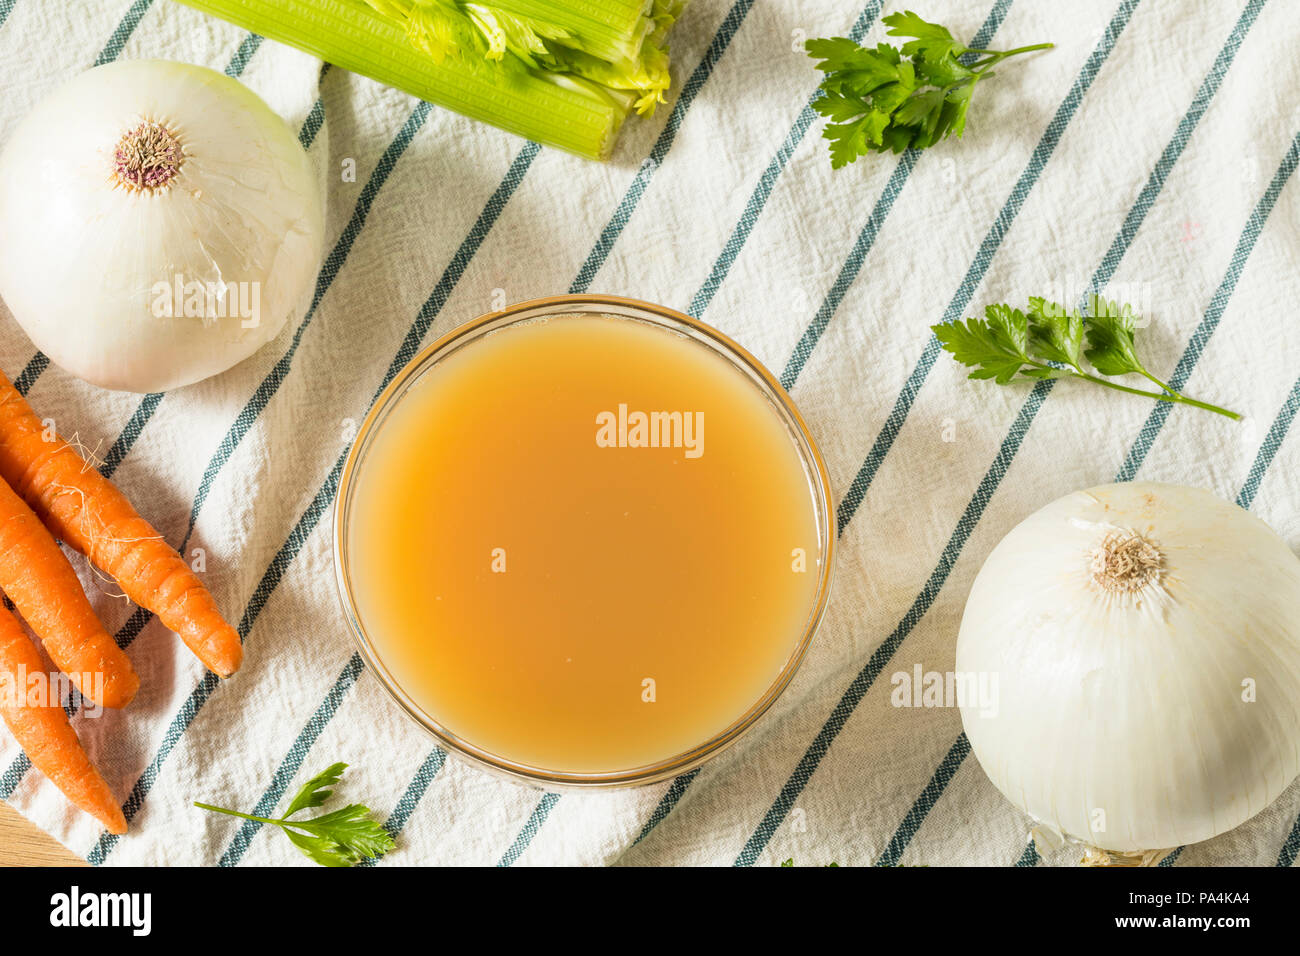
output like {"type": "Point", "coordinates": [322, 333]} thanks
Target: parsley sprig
{"type": "Point", "coordinates": [888, 98]}
{"type": "Point", "coordinates": [341, 838]}
{"type": "Point", "coordinates": [790, 862]}
{"type": "Point", "coordinates": [1049, 341]}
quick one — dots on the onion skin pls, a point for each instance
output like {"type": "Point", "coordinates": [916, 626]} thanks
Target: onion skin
{"type": "Point", "coordinates": [1127, 709]}
{"type": "Point", "coordinates": [82, 255]}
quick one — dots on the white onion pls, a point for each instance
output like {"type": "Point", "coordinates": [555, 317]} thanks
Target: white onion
{"type": "Point", "coordinates": [1126, 625]}
{"type": "Point", "coordinates": [233, 212]}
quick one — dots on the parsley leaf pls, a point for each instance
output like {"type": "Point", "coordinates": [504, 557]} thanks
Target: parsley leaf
{"type": "Point", "coordinates": [995, 347]}
{"type": "Point", "coordinates": [1056, 332]}
{"type": "Point", "coordinates": [1110, 338]}
{"type": "Point", "coordinates": [314, 792]}
{"type": "Point", "coordinates": [886, 99]}
{"type": "Point", "coordinates": [931, 40]}
{"type": "Point", "coordinates": [790, 862]}
{"type": "Point", "coordinates": [1046, 341]}
{"type": "Point", "coordinates": [340, 838]}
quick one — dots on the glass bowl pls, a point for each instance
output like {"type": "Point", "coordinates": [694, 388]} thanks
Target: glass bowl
{"type": "Point", "coordinates": [465, 336]}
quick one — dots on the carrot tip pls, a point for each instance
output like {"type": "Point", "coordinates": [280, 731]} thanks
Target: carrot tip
{"type": "Point", "coordinates": [228, 665]}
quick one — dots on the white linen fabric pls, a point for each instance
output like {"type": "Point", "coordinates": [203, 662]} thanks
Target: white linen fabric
{"type": "Point", "coordinates": [1150, 154]}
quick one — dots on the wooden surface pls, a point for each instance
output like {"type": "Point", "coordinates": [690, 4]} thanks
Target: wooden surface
{"type": "Point", "coordinates": [23, 844]}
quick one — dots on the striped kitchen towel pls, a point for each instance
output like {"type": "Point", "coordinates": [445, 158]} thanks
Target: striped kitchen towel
{"type": "Point", "coordinates": [1150, 154]}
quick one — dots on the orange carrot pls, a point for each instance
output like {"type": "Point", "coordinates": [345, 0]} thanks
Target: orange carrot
{"type": "Point", "coordinates": [37, 577]}
{"type": "Point", "coordinates": [43, 731]}
{"type": "Point", "coordinates": [85, 509]}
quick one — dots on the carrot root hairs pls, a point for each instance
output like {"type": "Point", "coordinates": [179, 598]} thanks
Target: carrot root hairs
{"type": "Point", "coordinates": [84, 509]}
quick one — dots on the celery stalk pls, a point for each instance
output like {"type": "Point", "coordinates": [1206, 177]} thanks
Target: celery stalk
{"type": "Point", "coordinates": [556, 72]}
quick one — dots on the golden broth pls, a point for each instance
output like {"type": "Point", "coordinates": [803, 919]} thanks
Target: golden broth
{"type": "Point", "coordinates": [564, 584]}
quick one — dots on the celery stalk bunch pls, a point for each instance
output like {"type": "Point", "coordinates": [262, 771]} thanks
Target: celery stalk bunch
{"type": "Point", "coordinates": [562, 72]}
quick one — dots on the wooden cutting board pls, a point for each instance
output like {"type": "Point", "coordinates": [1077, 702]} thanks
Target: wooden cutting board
{"type": "Point", "coordinates": [24, 844]}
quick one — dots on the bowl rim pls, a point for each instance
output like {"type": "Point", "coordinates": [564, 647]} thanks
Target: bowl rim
{"type": "Point", "coordinates": [622, 307]}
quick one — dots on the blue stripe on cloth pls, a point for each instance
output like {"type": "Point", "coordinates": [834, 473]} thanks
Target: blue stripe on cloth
{"type": "Point", "coordinates": [1110, 261]}
{"type": "Point", "coordinates": [1029, 857]}
{"type": "Point", "coordinates": [1210, 321]}
{"type": "Point", "coordinates": [535, 821]}
{"type": "Point", "coordinates": [414, 793]}
{"type": "Point", "coordinates": [459, 262]}
{"type": "Point", "coordinates": [853, 498]}
{"type": "Point", "coordinates": [1291, 848]}
{"type": "Point", "coordinates": [666, 803]}
{"type": "Point", "coordinates": [130, 20]}
{"type": "Point", "coordinates": [130, 432]}
{"type": "Point", "coordinates": [312, 125]}
{"type": "Point", "coordinates": [324, 497]}
{"type": "Point", "coordinates": [293, 760]}
{"type": "Point", "coordinates": [849, 271]}
{"type": "Point", "coordinates": [245, 53]}
{"type": "Point", "coordinates": [6, 7]}
{"type": "Point", "coordinates": [1272, 442]}
{"type": "Point", "coordinates": [881, 656]}
{"type": "Point", "coordinates": [111, 51]}
{"type": "Point", "coordinates": [758, 199]}
{"type": "Point", "coordinates": [31, 372]}
{"type": "Point", "coordinates": [13, 775]}
{"type": "Point", "coordinates": [703, 70]}
{"type": "Point", "coordinates": [866, 239]}
{"type": "Point", "coordinates": [933, 790]}
{"type": "Point", "coordinates": [1174, 148]}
